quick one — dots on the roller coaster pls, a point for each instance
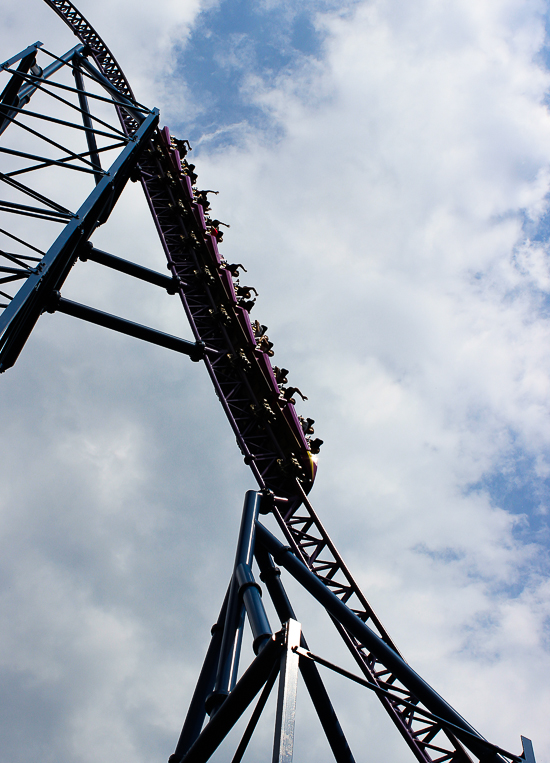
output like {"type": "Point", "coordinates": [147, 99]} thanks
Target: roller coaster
{"type": "Point", "coordinates": [67, 116]}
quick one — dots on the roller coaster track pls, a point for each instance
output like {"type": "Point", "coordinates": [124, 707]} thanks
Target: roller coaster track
{"type": "Point", "coordinates": [265, 424]}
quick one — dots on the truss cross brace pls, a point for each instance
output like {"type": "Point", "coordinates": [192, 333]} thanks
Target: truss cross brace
{"type": "Point", "coordinates": [33, 84]}
{"type": "Point", "coordinates": [130, 268]}
{"type": "Point", "coordinates": [20, 317]}
{"type": "Point", "coordinates": [195, 350]}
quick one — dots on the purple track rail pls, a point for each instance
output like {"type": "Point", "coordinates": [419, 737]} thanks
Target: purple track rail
{"type": "Point", "coordinates": [268, 436]}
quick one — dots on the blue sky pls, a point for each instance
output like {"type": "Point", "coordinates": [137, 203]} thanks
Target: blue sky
{"type": "Point", "coordinates": [384, 167]}
{"type": "Point", "coordinates": [233, 40]}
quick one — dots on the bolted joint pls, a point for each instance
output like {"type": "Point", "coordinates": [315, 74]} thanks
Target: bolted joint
{"type": "Point", "coordinates": [199, 352]}
{"type": "Point", "coordinates": [214, 701]}
{"type": "Point", "coordinates": [216, 628]}
{"type": "Point", "coordinates": [270, 572]}
{"type": "Point", "coordinates": [268, 501]}
{"type": "Point", "coordinates": [85, 250]}
{"type": "Point", "coordinates": [251, 595]}
{"type": "Point", "coordinates": [245, 579]}
{"type": "Point", "coordinates": [281, 553]}
{"type": "Point", "coordinates": [53, 302]}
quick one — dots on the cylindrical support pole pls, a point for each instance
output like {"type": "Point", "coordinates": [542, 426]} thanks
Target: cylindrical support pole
{"type": "Point", "coordinates": [250, 592]}
{"type": "Point", "coordinates": [247, 532]}
{"type": "Point", "coordinates": [429, 697]}
{"type": "Point", "coordinates": [89, 252]}
{"type": "Point", "coordinates": [228, 660]}
{"type": "Point", "coordinates": [232, 635]}
{"type": "Point", "coordinates": [271, 576]}
{"type": "Point", "coordinates": [68, 307]}
{"type": "Point", "coordinates": [238, 644]}
{"type": "Point", "coordinates": [197, 709]}
{"type": "Point", "coordinates": [234, 706]}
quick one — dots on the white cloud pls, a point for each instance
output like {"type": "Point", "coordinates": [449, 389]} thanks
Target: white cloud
{"type": "Point", "coordinates": [390, 217]}
{"type": "Point", "coordinates": [384, 234]}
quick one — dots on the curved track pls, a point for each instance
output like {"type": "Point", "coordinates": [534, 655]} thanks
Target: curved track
{"type": "Point", "coordinates": [267, 428]}
{"type": "Point", "coordinates": [268, 431]}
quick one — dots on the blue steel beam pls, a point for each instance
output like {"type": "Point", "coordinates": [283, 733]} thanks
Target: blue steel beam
{"type": "Point", "coordinates": [195, 350]}
{"type": "Point", "coordinates": [250, 593]}
{"type": "Point", "coordinates": [18, 320]}
{"type": "Point", "coordinates": [233, 627]}
{"type": "Point", "coordinates": [10, 94]}
{"type": "Point", "coordinates": [14, 59]}
{"type": "Point", "coordinates": [33, 83]}
{"type": "Point", "coordinates": [248, 686]}
{"type": "Point", "coordinates": [87, 121]}
{"type": "Point", "coordinates": [197, 709]}
{"type": "Point", "coordinates": [130, 268]}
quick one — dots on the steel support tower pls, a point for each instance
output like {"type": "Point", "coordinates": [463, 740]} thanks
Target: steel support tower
{"type": "Point", "coordinates": [74, 115]}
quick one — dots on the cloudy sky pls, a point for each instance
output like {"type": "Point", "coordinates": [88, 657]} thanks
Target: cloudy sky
{"type": "Point", "coordinates": [384, 168]}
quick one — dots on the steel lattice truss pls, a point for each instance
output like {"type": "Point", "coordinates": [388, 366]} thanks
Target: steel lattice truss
{"type": "Point", "coordinates": [78, 111]}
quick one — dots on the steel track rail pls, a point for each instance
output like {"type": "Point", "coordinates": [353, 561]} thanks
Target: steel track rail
{"type": "Point", "coordinates": [101, 54]}
{"type": "Point", "coordinates": [237, 386]}
{"type": "Point", "coordinates": [266, 440]}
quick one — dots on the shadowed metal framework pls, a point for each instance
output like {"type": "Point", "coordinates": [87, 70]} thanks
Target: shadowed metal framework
{"type": "Point", "coordinates": [70, 130]}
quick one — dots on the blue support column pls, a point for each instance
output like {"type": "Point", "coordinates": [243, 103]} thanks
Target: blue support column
{"type": "Point", "coordinates": [236, 703]}
{"type": "Point", "coordinates": [197, 709]}
{"type": "Point", "coordinates": [89, 252]}
{"type": "Point", "coordinates": [57, 303]}
{"type": "Point", "coordinates": [251, 595]}
{"type": "Point", "coordinates": [243, 593]}
{"type": "Point", "coordinates": [10, 95]}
